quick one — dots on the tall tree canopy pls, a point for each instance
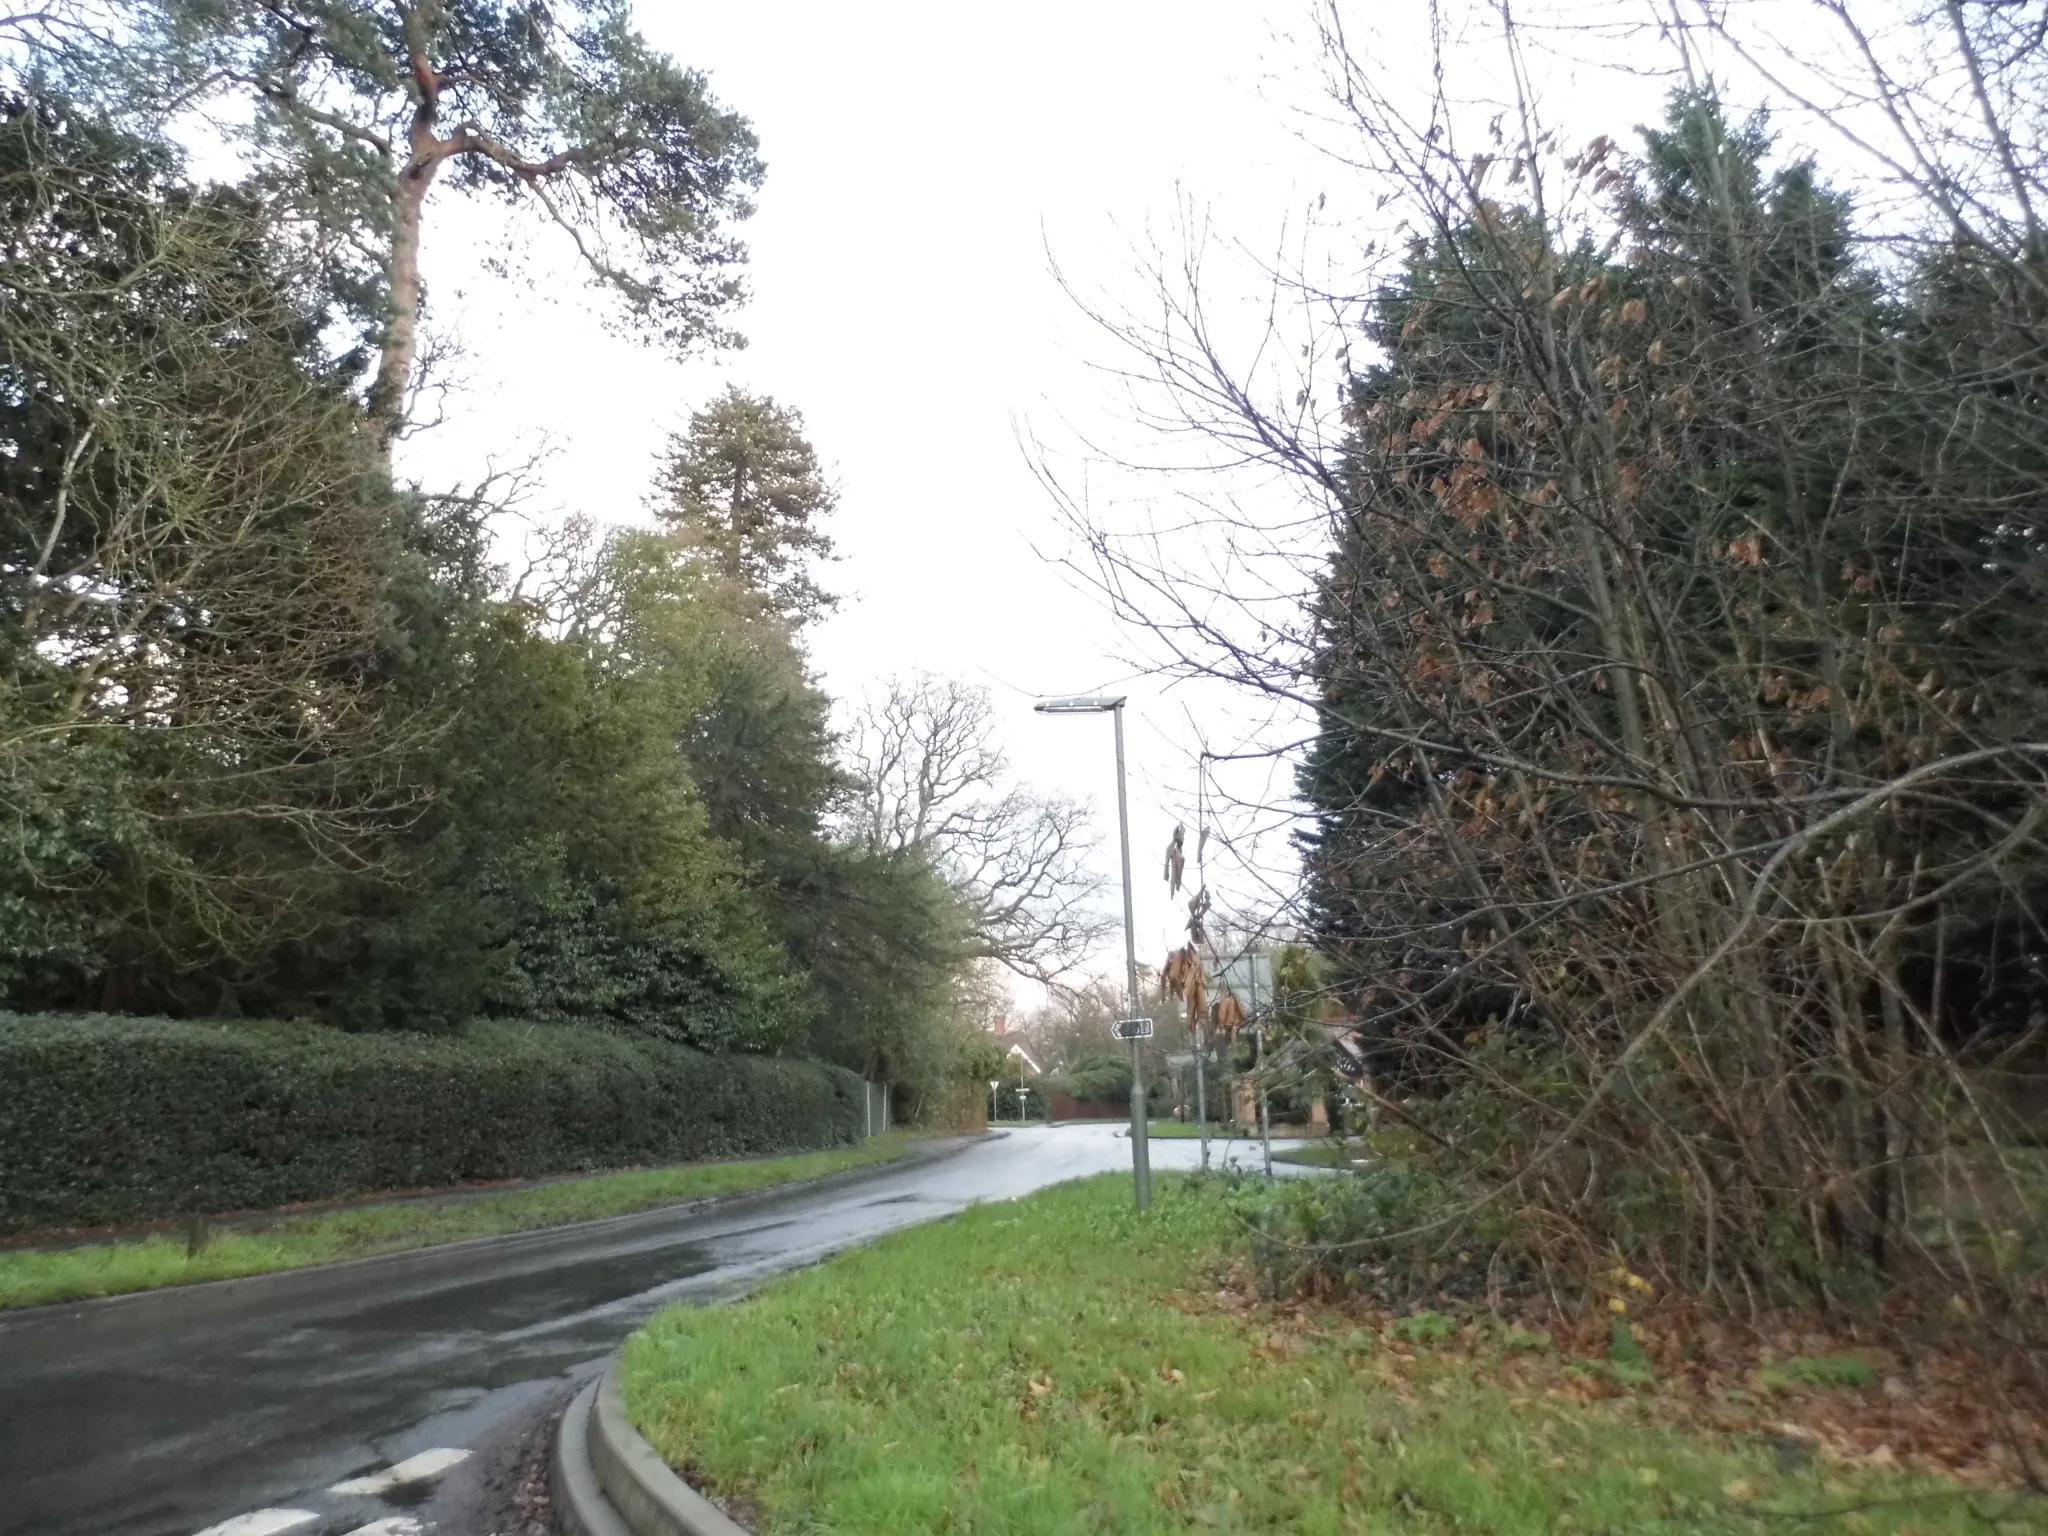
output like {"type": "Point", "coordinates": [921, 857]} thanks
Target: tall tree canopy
{"type": "Point", "coordinates": [1680, 769]}
{"type": "Point", "coordinates": [1681, 694]}
{"type": "Point", "coordinates": [742, 488]}
{"type": "Point", "coordinates": [203, 576]}
{"type": "Point", "coordinates": [353, 110]}
{"type": "Point", "coordinates": [275, 736]}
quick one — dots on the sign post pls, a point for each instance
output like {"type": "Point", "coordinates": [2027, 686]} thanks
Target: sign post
{"type": "Point", "coordinates": [1113, 706]}
{"type": "Point", "coordinates": [1135, 1030]}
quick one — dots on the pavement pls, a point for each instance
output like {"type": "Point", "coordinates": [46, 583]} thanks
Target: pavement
{"type": "Point", "coordinates": [398, 1396]}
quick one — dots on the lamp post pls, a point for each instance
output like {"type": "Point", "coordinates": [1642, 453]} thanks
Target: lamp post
{"type": "Point", "coordinates": [1113, 706]}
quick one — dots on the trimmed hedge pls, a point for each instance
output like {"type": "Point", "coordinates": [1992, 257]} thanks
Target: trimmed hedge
{"type": "Point", "coordinates": [111, 1120]}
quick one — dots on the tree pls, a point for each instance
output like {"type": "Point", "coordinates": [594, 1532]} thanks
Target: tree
{"type": "Point", "coordinates": [742, 490]}
{"type": "Point", "coordinates": [198, 552]}
{"type": "Point", "coordinates": [268, 740]}
{"type": "Point", "coordinates": [874, 938]}
{"type": "Point", "coordinates": [66, 31]}
{"type": "Point", "coordinates": [929, 779]}
{"type": "Point", "coordinates": [569, 869]}
{"type": "Point", "coordinates": [275, 734]}
{"type": "Point", "coordinates": [352, 111]}
{"type": "Point", "coordinates": [1682, 751]}
{"type": "Point", "coordinates": [883, 943]}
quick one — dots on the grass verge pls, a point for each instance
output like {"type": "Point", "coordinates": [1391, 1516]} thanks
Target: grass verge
{"type": "Point", "coordinates": [1177, 1130]}
{"type": "Point", "coordinates": [32, 1277]}
{"type": "Point", "coordinates": [1062, 1364]}
{"type": "Point", "coordinates": [1331, 1153]}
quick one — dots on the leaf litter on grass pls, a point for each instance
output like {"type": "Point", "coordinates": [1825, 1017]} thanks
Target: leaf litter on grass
{"type": "Point", "coordinates": [1937, 1406]}
{"type": "Point", "coordinates": [1063, 1364]}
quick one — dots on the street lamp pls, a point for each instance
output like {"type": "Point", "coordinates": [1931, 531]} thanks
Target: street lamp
{"type": "Point", "coordinates": [1098, 704]}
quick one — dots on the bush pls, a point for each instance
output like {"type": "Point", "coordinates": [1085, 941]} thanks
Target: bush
{"type": "Point", "coordinates": [1020, 1103]}
{"type": "Point", "coordinates": [106, 1120]}
{"type": "Point", "coordinates": [1104, 1076]}
{"type": "Point", "coordinates": [1353, 1228]}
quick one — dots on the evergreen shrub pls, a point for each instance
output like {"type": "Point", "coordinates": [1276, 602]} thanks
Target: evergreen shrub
{"type": "Point", "coordinates": [108, 1120]}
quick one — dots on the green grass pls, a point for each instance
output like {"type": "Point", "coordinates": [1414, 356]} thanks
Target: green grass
{"type": "Point", "coordinates": [1063, 1364]}
{"type": "Point", "coordinates": [31, 1277]}
{"type": "Point", "coordinates": [1821, 1371]}
{"type": "Point", "coordinates": [1175, 1130]}
{"type": "Point", "coordinates": [1332, 1153]}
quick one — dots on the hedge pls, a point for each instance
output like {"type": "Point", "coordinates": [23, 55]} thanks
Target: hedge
{"type": "Point", "coordinates": [113, 1120]}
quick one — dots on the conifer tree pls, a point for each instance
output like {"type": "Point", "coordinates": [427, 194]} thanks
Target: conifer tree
{"type": "Point", "coordinates": [353, 111]}
{"type": "Point", "coordinates": [743, 490]}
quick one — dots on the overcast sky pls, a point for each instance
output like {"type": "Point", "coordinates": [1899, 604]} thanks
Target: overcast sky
{"type": "Point", "coordinates": [924, 160]}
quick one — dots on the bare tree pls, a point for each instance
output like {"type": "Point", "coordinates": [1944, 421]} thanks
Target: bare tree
{"type": "Point", "coordinates": [928, 778]}
{"type": "Point", "coordinates": [54, 29]}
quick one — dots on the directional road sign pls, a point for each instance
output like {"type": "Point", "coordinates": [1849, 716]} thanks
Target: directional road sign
{"type": "Point", "coordinates": [1133, 1029]}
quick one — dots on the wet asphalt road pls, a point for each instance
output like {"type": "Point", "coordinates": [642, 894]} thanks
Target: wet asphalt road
{"type": "Point", "coordinates": [163, 1414]}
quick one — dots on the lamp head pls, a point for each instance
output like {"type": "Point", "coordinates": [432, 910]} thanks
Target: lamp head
{"type": "Point", "coordinates": [1080, 704]}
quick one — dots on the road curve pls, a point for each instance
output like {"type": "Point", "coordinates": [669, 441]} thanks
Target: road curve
{"type": "Point", "coordinates": [241, 1403]}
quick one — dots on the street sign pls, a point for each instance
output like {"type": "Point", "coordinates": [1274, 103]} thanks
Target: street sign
{"type": "Point", "coordinates": [1133, 1029]}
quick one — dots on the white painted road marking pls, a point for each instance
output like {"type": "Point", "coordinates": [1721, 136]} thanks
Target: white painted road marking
{"type": "Point", "coordinates": [414, 1469]}
{"type": "Point", "coordinates": [397, 1525]}
{"type": "Point", "coordinates": [262, 1522]}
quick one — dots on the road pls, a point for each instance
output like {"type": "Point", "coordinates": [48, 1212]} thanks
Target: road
{"type": "Point", "coordinates": [237, 1407]}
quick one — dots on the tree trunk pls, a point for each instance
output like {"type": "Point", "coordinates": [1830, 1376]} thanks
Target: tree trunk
{"type": "Point", "coordinates": [401, 334]}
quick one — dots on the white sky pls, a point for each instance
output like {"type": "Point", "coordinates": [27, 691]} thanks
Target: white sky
{"type": "Point", "coordinates": [922, 159]}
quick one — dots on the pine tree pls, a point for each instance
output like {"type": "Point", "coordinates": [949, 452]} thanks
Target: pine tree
{"type": "Point", "coordinates": [743, 491]}
{"type": "Point", "coordinates": [353, 111]}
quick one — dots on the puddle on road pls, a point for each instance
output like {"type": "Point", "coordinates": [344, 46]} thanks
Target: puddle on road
{"type": "Point", "coordinates": [505, 1302]}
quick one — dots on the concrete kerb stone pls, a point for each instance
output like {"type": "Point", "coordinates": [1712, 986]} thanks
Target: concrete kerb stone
{"type": "Point", "coordinates": [572, 1480]}
{"type": "Point", "coordinates": [608, 1481]}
